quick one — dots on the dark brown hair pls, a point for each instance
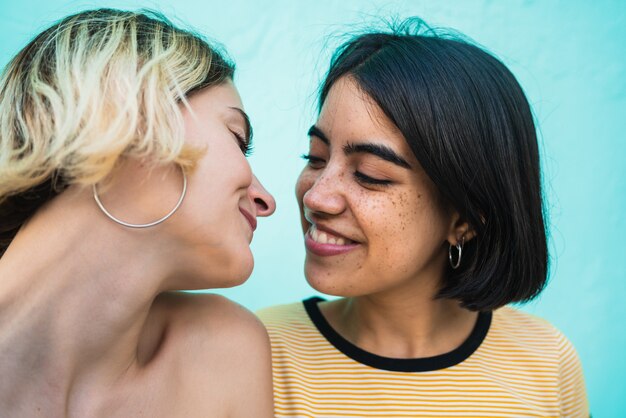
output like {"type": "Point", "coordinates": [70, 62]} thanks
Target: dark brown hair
{"type": "Point", "coordinates": [469, 124]}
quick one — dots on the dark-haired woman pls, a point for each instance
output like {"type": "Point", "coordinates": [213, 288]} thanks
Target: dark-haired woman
{"type": "Point", "coordinates": [421, 208]}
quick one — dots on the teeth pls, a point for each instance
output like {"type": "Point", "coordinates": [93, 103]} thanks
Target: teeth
{"type": "Point", "coordinates": [324, 238]}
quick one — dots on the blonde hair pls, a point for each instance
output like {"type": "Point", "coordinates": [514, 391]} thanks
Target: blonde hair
{"type": "Point", "coordinates": [96, 87]}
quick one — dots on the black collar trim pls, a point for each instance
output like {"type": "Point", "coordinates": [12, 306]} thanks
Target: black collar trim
{"type": "Point", "coordinates": [424, 364]}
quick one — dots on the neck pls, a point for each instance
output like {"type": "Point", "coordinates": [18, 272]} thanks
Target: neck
{"type": "Point", "coordinates": [402, 323]}
{"type": "Point", "coordinates": [72, 310]}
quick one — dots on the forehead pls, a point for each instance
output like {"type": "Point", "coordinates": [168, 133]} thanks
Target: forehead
{"type": "Point", "coordinates": [349, 113]}
{"type": "Point", "coordinates": [220, 98]}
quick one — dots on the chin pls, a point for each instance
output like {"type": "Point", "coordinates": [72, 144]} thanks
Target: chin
{"type": "Point", "coordinates": [239, 270]}
{"type": "Point", "coordinates": [227, 269]}
{"type": "Point", "coordinates": [330, 283]}
{"type": "Point", "coordinates": [238, 279]}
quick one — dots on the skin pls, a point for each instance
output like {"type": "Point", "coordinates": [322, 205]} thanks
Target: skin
{"type": "Point", "coordinates": [90, 325]}
{"type": "Point", "coordinates": [401, 233]}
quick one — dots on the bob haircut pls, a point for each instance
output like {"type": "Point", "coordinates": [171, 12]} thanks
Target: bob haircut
{"type": "Point", "coordinates": [468, 122]}
{"type": "Point", "coordinates": [96, 87]}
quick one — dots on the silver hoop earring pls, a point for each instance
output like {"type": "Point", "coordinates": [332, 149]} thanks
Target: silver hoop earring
{"type": "Point", "coordinates": [158, 221]}
{"type": "Point", "coordinates": [459, 248]}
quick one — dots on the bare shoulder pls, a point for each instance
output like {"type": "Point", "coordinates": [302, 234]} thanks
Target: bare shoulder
{"type": "Point", "coordinates": [209, 323]}
{"type": "Point", "coordinates": [225, 351]}
{"type": "Point", "coordinates": [214, 312]}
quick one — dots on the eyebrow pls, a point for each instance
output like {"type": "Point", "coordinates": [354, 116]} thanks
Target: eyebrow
{"type": "Point", "coordinates": [315, 131]}
{"type": "Point", "coordinates": [246, 121]}
{"type": "Point", "coordinates": [381, 151]}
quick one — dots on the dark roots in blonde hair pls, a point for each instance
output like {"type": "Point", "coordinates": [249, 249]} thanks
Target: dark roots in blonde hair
{"type": "Point", "coordinates": [93, 88]}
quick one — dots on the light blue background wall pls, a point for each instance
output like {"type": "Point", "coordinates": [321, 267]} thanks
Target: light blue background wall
{"type": "Point", "coordinates": [570, 56]}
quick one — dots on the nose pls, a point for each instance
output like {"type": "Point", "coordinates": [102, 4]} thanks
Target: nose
{"type": "Point", "coordinates": [263, 200]}
{"type": "Point", "coordinates": [323, 195]}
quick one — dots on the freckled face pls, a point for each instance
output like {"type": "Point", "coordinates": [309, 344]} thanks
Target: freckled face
{"type": "Point", "coordinates": [372, 219]}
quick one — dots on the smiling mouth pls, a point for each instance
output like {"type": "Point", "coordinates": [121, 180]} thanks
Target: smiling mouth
{"type": "Point", "coordinates": [251, 220]}
{"type": "Point", "coordinates": [324, 237]}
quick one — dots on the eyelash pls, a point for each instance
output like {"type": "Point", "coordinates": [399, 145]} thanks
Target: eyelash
{"type": "Point", "coordinates": [357, 174]}
{"type": "Point", "coordinates": [244, 144]}
{"type": "Point", "coordinates": [371, 180]}
{"type": "Point", "coordinates": [311, 159]}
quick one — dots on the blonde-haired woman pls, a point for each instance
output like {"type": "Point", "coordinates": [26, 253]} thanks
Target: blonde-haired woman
{"type": "Point", "coordinates": [123, 178]}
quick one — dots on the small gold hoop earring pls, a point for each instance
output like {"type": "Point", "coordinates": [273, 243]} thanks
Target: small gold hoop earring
{"type": "Point", "coordinates": [459, 248]}
{"type": "Point", "coordinates": [158, 221]}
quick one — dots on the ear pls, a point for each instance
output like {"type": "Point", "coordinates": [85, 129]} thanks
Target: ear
{"type": "Point", "coordinates": [459, 229]}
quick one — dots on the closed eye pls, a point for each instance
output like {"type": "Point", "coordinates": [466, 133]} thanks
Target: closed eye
{"type": "Point", "coordinates": [243, 139]}
{"type": "Point", "coordinates": [363, 178]}
{"type": "Point", "coordinates": [313, 161]}
{"type": "Point", "coordinates": [244, 144]}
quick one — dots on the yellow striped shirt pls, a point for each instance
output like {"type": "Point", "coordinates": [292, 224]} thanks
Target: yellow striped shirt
{"type": "Point", "coordinates": [512, 365]}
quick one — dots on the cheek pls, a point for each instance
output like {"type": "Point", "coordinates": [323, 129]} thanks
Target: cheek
{"type": "Point", "coordinates": [387, 223]}
{"type": "Point", "coordinates": [304, 183]}
{"type": "Point", "coordinates": [405, 230]}
{"type": "Point", "coordinates": [213, 192]}
{"type": "Point", "coordinates": [224, 168]}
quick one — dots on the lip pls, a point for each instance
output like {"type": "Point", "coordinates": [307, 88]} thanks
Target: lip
{"type": "Point", "coordinates": [326, 250]}
{"type": "Point", "coordinates": [251, 219]}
